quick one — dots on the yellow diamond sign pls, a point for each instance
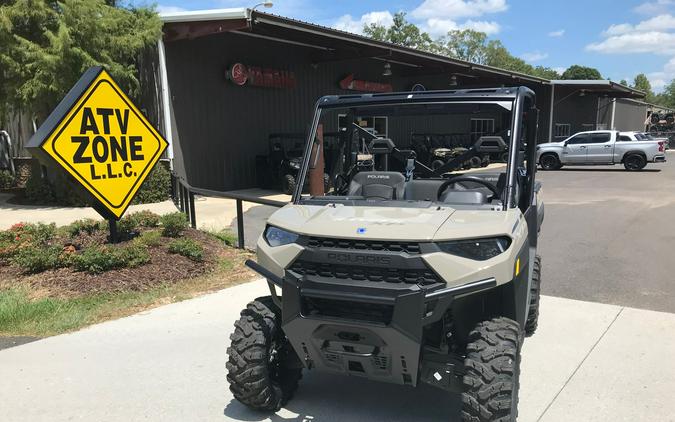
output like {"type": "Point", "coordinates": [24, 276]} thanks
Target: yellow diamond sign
{"type": "Point", "coordinates": [101, 138]}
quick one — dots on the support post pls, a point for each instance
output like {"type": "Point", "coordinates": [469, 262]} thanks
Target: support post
{"type": "Point", "coordinates": [180, 197]}
{"type": "Point", "coordinates": [240, 225]}
{"type": "Point", "coordinates": [112, 225]}
{"type": "Point", "coordinates": [191, 203]}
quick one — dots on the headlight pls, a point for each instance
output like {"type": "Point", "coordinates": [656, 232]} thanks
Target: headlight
{"type": "Point", "coordinates": [278, 237]}
{"type": "Point", "coordinates": [477, 249]}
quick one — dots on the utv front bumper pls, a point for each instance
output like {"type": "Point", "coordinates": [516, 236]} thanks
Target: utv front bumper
{"type": "Point", "coordinates": [362, 328]}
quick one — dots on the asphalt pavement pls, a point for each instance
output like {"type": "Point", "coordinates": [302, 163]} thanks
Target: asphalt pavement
{"type": "Point", "coordinates": [609, 235]}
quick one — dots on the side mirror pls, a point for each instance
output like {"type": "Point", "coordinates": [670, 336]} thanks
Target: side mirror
{"type": "Point", "coordinates": [565, 144]}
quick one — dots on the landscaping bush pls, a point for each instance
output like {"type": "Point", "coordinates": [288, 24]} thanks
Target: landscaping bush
{"type": "Point", "coordinates": [37, 234]}
{"type": "Point", "coordinates": [104, 258]}
{"type": "Point", "coordinates": [33, 259]}
{"type": "Point", "coordinates": [127, 227]}
{"type": "Point", "coordinates": [145, 218]}
{"type": "Point", "coordinates": [85, 226]}
{"type": "Point", "coordinates": [173, 224]}
{"type": "Point", "coordinates": [149, 238]}
{"type": "Point", "coordinates": [6, 179]}
{"type": "Point", "coordinates": [188, 248]}
{"type": "Point", "coordinates": [156, 188]}
{"type": "Point", "coordinates": [38, 190]}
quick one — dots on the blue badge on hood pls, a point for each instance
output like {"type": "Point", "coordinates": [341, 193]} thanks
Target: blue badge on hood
{"type": "Point", "coordinates": [361, 230]}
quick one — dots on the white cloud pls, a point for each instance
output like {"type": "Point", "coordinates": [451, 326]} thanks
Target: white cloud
{"type": "Point", "coordinates": [169, 9]}
{"type": "Point", "coordinates": [454, 9]}
{"type": "Point", "coordinates": [656, 7]}
{"type": "Point", "coordinates": [657, 23]}
{"type": "Point", "coordinates": [558, 33]}
{"type": "Point", "coordinates": [636, 42]}
{"type": "Point", "coordinates": [489, 28]}
{"type": "Point", "coordinates": [662, 78]}
{"type": "Point", "coordinates": [349, 24]}
{"type": "Point", "coordinates": [559, 69]}
{"type": "Point", "coordinates": [534, 56]}
{"type": "Point", "coordinates": [440, 27]}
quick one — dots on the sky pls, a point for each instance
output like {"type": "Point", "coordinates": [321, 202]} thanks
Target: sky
{"type": "Point", "coordinates": [621, 38]}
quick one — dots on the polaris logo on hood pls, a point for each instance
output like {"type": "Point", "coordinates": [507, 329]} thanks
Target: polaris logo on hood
{"type": "Point", "coordinates": [378, 176]}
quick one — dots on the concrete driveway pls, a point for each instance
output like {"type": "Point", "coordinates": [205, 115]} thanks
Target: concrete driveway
{"type": "Point", "coordinates": [587, 362]}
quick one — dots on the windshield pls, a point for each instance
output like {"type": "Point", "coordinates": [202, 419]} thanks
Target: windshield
{"type": "Point", "coordinates": [405, 154]}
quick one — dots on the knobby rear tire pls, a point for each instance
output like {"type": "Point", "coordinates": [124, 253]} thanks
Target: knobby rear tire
{"type": "Point", "coordinates": [535, 295]}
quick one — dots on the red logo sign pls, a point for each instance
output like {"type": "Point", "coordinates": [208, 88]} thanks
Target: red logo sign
{"type": "Point", "coordinates": [240, 74]}
{"type": "Point", "coordinates": [364, 86]}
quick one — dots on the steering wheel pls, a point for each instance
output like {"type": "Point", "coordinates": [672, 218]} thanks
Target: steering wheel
{"type": "Point", "coordinates": [474, 179]}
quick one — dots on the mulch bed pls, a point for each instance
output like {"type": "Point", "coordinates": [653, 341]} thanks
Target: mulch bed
{"type": "Point", "coordinates": [163, 268]}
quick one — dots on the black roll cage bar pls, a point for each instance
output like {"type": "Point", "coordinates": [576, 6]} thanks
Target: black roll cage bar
{"type": "Point", "coordinates": [515, 95]}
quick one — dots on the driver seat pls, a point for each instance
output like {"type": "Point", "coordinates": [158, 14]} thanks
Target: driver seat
{"type": "Point", "coordinates": [386, 185]}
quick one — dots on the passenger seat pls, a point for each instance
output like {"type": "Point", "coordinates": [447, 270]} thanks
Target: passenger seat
{"type": "Point", "coordinates": [385, 185]}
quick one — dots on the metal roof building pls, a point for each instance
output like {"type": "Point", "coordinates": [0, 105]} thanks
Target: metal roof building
{"type": "Point", "coordinates": [218, 118]}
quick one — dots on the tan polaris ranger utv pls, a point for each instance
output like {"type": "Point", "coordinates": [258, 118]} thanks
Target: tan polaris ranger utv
{"type": "Point", "coordinates": [400, 273]}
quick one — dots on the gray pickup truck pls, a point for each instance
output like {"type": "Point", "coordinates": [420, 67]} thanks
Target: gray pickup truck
{"type": "Point", "coordinates": [600, 147]}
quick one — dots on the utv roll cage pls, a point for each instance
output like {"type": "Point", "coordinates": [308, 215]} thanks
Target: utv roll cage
{"type": "Point", "coordinates": [520, 101]}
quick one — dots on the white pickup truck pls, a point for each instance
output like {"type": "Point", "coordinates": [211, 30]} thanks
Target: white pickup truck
{"type": "Point", "coordinates": [600, 147]}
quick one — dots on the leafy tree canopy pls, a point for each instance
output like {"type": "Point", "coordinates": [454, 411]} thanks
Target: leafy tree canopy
{"type": "Point", "coordinates": [581, 73]}
{"type": "Point", "coordinates": [46, 45]}
{"type": "Point", "coordinates": [467, 44]}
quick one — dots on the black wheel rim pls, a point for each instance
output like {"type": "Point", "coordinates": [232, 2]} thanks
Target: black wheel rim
{"type": "Point", "coordinates": [633, 163]}
{"type": "Point", "coordinates": [548, 162]}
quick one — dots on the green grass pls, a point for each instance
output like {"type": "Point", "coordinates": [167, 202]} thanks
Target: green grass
{"type": "Point", "coordinates": [224, 236]}
{"type": "Point", "coordinates": [20, 315]}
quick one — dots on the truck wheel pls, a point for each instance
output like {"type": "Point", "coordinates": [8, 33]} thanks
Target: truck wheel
{"type": "Point", "coordinates": [504, 157]}
{"type": "Point", "coordinates": [475, 162]}
{"type": "Point", "coordinates": [535, 293]}
{"type": "Point", "coordinates": [492, 365]}
{"type": "Point", "coordinates": [634, 162]}
{"type": "Point", "coordinates": [288, 184]}
{"type": "Point", "coordinates": [549, 162]}
{"type": "Point", "coordinates": [263, 370]}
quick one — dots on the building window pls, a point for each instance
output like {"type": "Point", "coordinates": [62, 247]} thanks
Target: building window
{"type": "Point", "coordinates": [601, 126]}
{"type": "Point", "coordinates": [480, 127]}
{"type": "Point", "coordinates": [562, 130]}
{"type": "Point", "coordinates": [376, 125]}
{"type": "Point", "coordinates": [585, 127]}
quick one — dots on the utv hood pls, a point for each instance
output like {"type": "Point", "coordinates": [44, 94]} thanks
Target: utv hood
{"type": "Point", "coordinates": [378, 223]}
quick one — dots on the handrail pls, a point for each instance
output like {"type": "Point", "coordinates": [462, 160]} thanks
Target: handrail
{"type": "Point", "coordinates": [184, 199]}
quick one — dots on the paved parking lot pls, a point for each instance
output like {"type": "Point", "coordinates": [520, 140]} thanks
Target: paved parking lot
{"type": "Point", "coordinates": [609, 235]}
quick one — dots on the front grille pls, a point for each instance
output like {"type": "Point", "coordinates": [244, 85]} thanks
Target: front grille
{"type": "Point", "coordinates": [369, 312]}
{"type": "Point", "coordinates": [411, 248]}
{"type": "Point", "coordinates": [423, 277]}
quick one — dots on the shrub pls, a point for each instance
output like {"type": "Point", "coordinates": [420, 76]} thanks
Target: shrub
{"type": "Point", "coordinates": [34, 259]}
{"type": "Point", "coordinates": [104, 258]}
{"type": "Point", "coordinates": [173, 224]}
{"type": "Point", "coordinates": [86, 226]}
{"type": "Point", "coordinates": [38, 190]}
{"type": "Point", "coordinates": [156, 187]}
{"type": "Point", "coordinates": [149, 238]}
{"type": "Point", "coordinates": [225, 236]}
{"type": "Point", "coordinates": [38, 234]}
{"type": "Point", "coordinates": [127, 226]}
{"type": "Point", "coordinates": [6, 179]}
{"type": "Point", "coordinates": [188, 248]}
{"type": "Point", "coordinates": [145, 218]}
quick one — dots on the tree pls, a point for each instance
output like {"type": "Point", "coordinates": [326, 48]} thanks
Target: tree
{"type": "Point", "coordinates": [641, 83]}
{"type": "Point", "coordinates": [401, 32]}
{"type": "Point", "coordinates": [466, 45]}
{"type": "Point", "coordinates": [47, 45]}
{"type": "Point", "coordinates": [623, 82]}
{"type": "Point", "coordinates": [581, 72]}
